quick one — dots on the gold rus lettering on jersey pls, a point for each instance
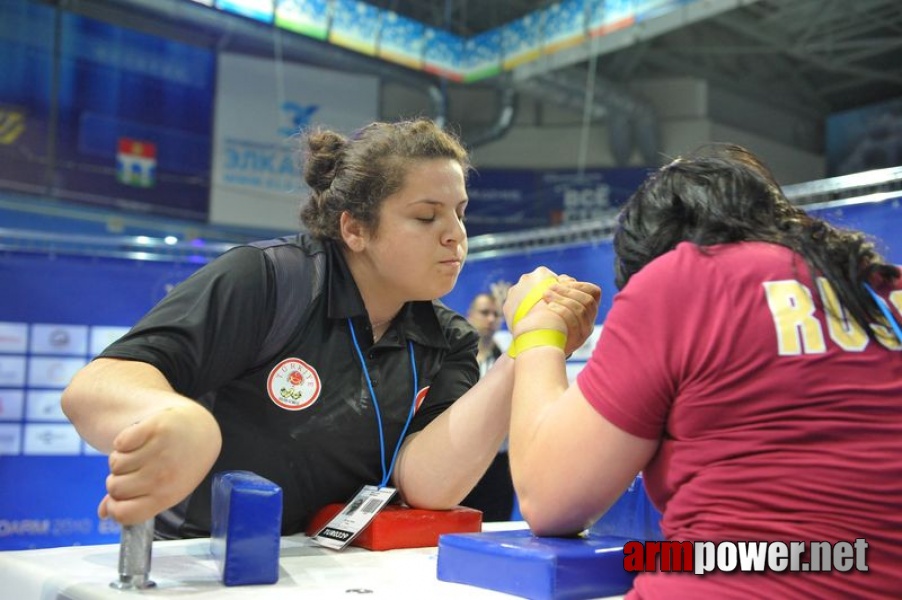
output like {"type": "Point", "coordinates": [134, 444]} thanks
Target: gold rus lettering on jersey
{"type": "Point", "coordinates": [799, 331]}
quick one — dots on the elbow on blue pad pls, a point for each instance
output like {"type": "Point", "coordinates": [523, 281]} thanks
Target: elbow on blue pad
{"type": "Point", "coordinates": [553, 568]}
{"type": "Point", "coordinates": [521, 564]}
{"type": "Point", "coordinates": [550, 568]}
{"type": "Point", "coordinates": [246, 528]}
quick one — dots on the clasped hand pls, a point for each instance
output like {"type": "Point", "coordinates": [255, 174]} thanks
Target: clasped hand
{"type": "Point", "coordinates": [158, 461]}
{"type": "Point", "coordinates": [569, 306]}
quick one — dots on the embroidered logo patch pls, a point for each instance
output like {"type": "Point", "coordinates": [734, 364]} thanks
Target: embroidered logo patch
{"type": "Point", "coordinates": [293, 384]}
{"type": "Point", "coordinates": [421, 395]}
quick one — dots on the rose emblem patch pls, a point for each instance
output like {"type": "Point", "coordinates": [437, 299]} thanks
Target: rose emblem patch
{"type": "Point", "coordinates": [293, 384]}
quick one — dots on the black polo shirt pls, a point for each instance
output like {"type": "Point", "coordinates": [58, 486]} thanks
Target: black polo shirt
{"type": "Point", "coordinates": [304, 417]}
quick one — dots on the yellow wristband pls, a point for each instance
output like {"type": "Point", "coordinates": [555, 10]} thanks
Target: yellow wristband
{"type": "Point", "coordinates": [534, 339]}
{"type": "Point", "coordinates": [531, 298]}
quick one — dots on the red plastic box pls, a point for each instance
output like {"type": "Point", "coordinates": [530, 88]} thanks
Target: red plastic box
{"type": "Point", "coordinates": [404, 527]}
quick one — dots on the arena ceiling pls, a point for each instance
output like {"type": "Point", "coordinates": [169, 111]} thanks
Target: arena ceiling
{"type": "Point", "coordinates": [812, 56]}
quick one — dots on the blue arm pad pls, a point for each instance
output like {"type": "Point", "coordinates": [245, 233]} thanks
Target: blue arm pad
{"type": "Point", "coordinates": [246, 528]}
{"type": "Point", "coordinates": [518, 563]}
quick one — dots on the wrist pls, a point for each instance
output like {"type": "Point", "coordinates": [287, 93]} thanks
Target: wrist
{"type": "Point", "coordinates": [538, 323]}
{"type": "Point", "coordinates": [536, 338]}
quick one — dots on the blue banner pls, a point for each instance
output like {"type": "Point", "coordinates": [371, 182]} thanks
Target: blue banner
{"type": "Point", "coordinates": [574, 196]}
{"type": "Point", "coordinates": [514, 199]}
{"type": "Point", "coordinates": [131, 114]}
{"type": "Point", "coordinates": [50, 480]}
{"type": "Point", "coordinates": [26, 61]}
{"type": "Point", "coordinates": [504, 200]}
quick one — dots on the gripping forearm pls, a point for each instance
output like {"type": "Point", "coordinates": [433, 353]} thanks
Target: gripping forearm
{"type": "Point", "coordinates": [108, 395]}
{"type": "Point", "coordinates": [440, 465]}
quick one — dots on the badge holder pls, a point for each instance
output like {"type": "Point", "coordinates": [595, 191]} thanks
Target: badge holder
{"type": "Point", "coordinates": [347, 524]}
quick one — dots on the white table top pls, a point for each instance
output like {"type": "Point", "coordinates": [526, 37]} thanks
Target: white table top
{"type": "Point", "coordinates": [186, 569]}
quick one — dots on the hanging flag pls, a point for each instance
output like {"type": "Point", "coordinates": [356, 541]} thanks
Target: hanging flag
{"type": "Point", "coordinates": [136, 162]}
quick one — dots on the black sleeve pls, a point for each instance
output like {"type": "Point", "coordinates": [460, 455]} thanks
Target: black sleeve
{"type": "Point", "coordinates": [458, 373]}
{"type": "Point", "coordinates": [208, 329]}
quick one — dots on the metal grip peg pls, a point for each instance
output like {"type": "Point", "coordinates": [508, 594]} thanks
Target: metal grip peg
{"type": "Point", "coordinates": [134, 557]}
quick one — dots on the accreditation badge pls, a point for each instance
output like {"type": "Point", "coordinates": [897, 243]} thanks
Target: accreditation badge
{"type": "Point", "coordinates": [346, 525]}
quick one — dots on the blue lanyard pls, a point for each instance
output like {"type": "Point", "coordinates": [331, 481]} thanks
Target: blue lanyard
{"type": "Point", "coordinates": [413, 406]}
{"type": "Point", "coordinates": [885, 310]}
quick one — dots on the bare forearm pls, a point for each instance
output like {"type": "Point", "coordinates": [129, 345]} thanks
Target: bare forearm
{"type": "Point", "coordinates": [108, 395]}
{"type": "Point", "coordinates": [541, 378]}
{"type": "Point", "coordinates": [568, 462]}
{"type": "Point", "coordinates": [440, 465]}
{"type": "Point", "coordinates": [160, 444]}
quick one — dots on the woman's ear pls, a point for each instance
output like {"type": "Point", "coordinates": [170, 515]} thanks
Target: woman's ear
{"type": "Point", "coordinates": [353, 232]}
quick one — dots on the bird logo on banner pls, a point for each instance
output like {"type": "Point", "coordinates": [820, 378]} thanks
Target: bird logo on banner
{"type": "Point", "coordinates": [298, 115]}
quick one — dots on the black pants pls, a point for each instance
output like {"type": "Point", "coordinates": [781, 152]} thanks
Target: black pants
{"type": "Point", "coordinates": [494, 494]}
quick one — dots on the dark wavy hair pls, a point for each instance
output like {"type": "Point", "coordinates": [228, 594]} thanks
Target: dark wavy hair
{"type": "Point", "coordinates": [356, 174]}
{"type": "Point", "coordinates": [723, 194]}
